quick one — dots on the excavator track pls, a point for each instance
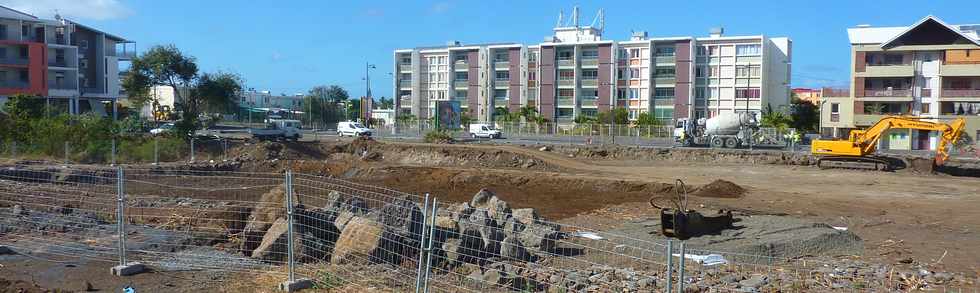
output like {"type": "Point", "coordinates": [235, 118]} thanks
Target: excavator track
{"type": "Point", "coordinates": [856, 163]}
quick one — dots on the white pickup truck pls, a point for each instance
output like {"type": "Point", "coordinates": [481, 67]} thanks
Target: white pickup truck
{"type": "Point", "coordinates": [278, 129]}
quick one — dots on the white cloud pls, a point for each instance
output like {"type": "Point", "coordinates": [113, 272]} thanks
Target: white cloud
{"type": "Point", "coordinates": [72, 9]}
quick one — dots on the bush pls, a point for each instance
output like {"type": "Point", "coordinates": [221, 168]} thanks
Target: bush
{"type": "Point", "coordinates": [438, 136]}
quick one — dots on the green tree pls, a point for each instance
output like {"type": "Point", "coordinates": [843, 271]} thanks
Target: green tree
{"type": "Point", "coordinates": [614, 116]}
{"type": "Point", "coordinates": [647, 119]}
{"type": "Point", "coordinates": [18, 112]}
{"type": "Point", "coordinates": [385, 103]}
{"type": "Point", "coordinates": [775, 119]}
{"type": "Point", "coordinates": [330, 93]}
{"type": "Point", "coordinates": [217, 92]}
{"type": "Point", "coordinates": [805, 115]}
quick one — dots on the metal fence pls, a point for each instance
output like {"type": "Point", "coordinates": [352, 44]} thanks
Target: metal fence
{"type": "Point", "coordinates": [341, 234]}
{"type": "Point", "coordinates": [130, 150]}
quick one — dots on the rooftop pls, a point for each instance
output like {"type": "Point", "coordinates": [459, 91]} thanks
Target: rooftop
{"type": "Point", "coordinates": [864, 34]}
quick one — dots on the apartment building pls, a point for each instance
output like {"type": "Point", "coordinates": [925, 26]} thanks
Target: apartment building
{"type": "Point", "coordinates": [810, 95]}
{"type": "Point", "coordinates": [575, 72]}
{"type": "Point", "coordinates": [267, 101]}
{"type": "Point", "coordinates": [75, 67]}
{"type": "Point", "coordinates": [929, 69]}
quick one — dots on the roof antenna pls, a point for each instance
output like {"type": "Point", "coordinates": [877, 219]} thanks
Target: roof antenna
{"type": "Point", "coordinates": [561, 17]}
{"type": "Point", "coordinates": [57, 15]}
{"type": "Point", "coordinates": [575, 15]}
{"type": "Point", "coordinates": [601, 19]}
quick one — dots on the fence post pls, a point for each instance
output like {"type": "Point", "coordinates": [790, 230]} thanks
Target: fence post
{"type": "Point", "coordinates": [113, 152]}
{"type": "Point", "coordinates": [224, 149]}
{"type": "Point", "coordinates": [680, 271]}
{"type": "Point", "coordinates": [422, 246]}
{"type": "Point", "coordinates": [192, 148]}
{"type": "Point", "coordinates": [156, 151]}
{"type": "Point", "coordinates": [670, 264]}
{"type": "Point", "coordinates": [66, 152]}
{"type": "Point", "coordinates": [125, 268]}
{"type": "Point", "coordinates": [428, 250]}
{"type": "Point", "coordinates": [289, 226]}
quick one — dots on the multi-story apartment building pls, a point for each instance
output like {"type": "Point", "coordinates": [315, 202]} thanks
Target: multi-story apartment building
{"type": "Point", "coordinates": [810, 95]}
{"type": "Point", "coordinates": [928, 69]}
{"type": "Point", "coordinates": [74, 66]}
{"type": "Point", "coordinates": [576, 73]}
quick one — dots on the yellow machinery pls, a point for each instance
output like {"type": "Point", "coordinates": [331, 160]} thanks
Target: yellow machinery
{"type": "Point", "coordinates": [859, 148]}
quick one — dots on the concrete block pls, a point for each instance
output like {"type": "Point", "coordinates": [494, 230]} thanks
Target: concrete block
{"type": "Point", "coordinates": [298, 284]}
{"type": "Point", "coordinates": [128, 269]}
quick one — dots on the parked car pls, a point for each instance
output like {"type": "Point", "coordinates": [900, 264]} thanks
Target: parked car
{"type": "Point", "coordinates": [162, 129]}
{"type": "Point", "coordinates": [350, 128]}
{"type": "Point", "coordinates": [279, 129]}
{"type": "Point", "coordinates": [484, 130]}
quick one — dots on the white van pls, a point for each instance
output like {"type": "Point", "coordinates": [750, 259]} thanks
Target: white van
{"type": "Point", "coordinates": [484, 130]}
{"type": "Point", "coordinates": [350, 128]}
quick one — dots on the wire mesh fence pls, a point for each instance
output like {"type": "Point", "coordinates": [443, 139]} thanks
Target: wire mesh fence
{"type": "Point", "coordinates": [335, 232]}
{"type": "Point", "coordinates": [125, 150]}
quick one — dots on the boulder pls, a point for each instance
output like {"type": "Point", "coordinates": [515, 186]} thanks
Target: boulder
{"type": "Point", "coordinates": [511, 248]}
{"type": "Point", "coordinates": [526, 216]}
{"type": "Point", "coordinates": [338, 202]}
{"type": "Point", "coordinates": [480, 223]}
{"type": "Point", "coordinates": [358, 241]}
{"type": "Point", "coordinates": [271, 206]}
{"type": "Point", "coordinates": [540, 237]}
{"type": "Point", "coordinates": [468, 248]}
{"type": "Point", "coordinates": [402, 217]}
{"type": "Point", "coordinates": [318, 232]}
{"type": "Point", "coordinates": [274, 244]}
{"type": "Point", "coordinates": [496, 208]}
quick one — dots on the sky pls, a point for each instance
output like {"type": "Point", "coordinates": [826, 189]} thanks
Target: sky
{"type": "Point", "coordinates": [291, 46]}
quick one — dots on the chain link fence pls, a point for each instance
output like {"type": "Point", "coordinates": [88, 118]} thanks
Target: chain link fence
{"type": "Point", "coordinates": [331, 233]}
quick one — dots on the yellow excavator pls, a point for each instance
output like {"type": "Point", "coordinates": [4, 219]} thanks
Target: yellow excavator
{"type": "Point", "coordinates": [858, 151]}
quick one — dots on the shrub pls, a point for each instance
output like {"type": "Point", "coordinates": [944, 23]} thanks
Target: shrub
{"type": "Point", "coordinates": [438, 136]}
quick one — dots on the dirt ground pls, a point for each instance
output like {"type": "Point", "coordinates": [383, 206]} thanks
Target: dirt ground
{"type": "Point", "coordinates": [902, 216]}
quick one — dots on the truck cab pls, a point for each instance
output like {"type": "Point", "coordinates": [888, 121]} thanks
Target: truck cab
{"type": "Point", "coordinates": [279, 129]}
{"type": "Point", "coordinates": [484, 131]}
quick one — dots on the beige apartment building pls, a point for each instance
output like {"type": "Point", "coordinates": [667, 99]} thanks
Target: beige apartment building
{"type": "Point", "coordinates": [929, 69]}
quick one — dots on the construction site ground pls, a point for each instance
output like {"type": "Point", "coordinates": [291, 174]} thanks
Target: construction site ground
{"type": "Point", "coordinates": [902, 217]}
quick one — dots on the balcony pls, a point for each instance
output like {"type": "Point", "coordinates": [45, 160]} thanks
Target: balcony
{"type": "Point", "coordinates": [665, 59]}
{"type": "Point", "coordinates": [566, 82]}
{"type": "Point", "coordinates": [590, 102]}
{"type": "Point", "coordinates": [500, 101]}
{"type": "Point", "coordinates": [590, 62]}
{"type": "Point", "coordinates": [62, 85]}
{"type": "Point", "coordinates": [565, 102]}
{"type": "Point", "coordinates": [405, 101]}
{"type": "Point", "coordinates": [961, 69]}
{"type": "Point", "coordinates": [835, 93]}
{"type": "Point", "coordinates": [501, 64]}
{"type": "Point", "coordinates": [58, 63]}
{"type": "Point", "coordinates": [14, 84]}
{"type": "Point", "coordinates": [960, 93]}
{"type": "Point", "coordinates": [501, 82]}
{"type": "Point", "coordinates": [566, 63]}
{"type": "Point", "coordinates": [925, 92]}
{"type": "Point", "coordinates": [463, 62]}
{"type": "Point", "coordinates": [590, 82]}
{"type": "Point", "coordinates": [887, 93]}
{"type": "Point", "coordinates": [405, 68]}
{"type": "Point", "coordinates": [461, 84]}
{"type": "Point", "coordinates": [14, 61]}
{"type": "Point", "coordinates": [887, 70]}
{"type": "Point", "coordinates": [404, 83]}
{"type": "Point", "coordinates": [864, 119]}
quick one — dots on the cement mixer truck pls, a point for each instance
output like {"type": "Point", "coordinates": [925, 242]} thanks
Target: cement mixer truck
{"type": "Point", "coordinates": [728, 130]}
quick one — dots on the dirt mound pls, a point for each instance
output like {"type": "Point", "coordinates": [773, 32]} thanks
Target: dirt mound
{"type": "Point", "coordinates": [719, 189]}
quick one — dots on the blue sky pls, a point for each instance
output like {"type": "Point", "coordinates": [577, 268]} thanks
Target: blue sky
{"type": "Point", "coordinates": [290, 46]}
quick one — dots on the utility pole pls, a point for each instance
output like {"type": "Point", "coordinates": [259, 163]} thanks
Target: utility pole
{"type": "Point", "coordinates": [367, 79]}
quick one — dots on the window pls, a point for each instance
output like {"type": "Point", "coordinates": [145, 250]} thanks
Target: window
{"type": "Point", "coordinates": [620, 74]}
{"type": "Point", "coordinates": [83, 44]}
{"type": "Point", "coordinates": [634, 94]}
{"type": "Point", "coordinates": [502, 75]}
{"type": "Point", "coordinates": [532, 57]}
{"type": "Point", "coordinates": [3, 52]}
{"type": "Point", "coordinates": [590, 94]}
{"type": "Point", "coordinates": [23, 75]}
{"type": "Point", "coordinates": [633, 114]}
{"type": "Point", "coordinates": [702, 50]}
{"type": "Point", "coordinates": [741, 71]}
{"type": "Point", "coordinates": [3, 31]}
{"type": "Point", "coordinates": [700, 71]}
{"type": "Point", "coordinates": [460, 58]}
{"type": "Point", "coordinates": [664, 71]}
{"type": "Point", "coordinates": [501, 56]}
{"type": "Point", "coordinates": [621, 94]}
{"type": "Point", "coordinates": [634, 73]}
{"type": "Point", "coordinates": [461, 76]}
{"type": "Point", "coordinates": [531, 75]}
{"type": "Point", "coordinates": [565, 112]}
{"type": "Point", "coordinates": [893, 59]}
{"type": "Point", "coordinates": [747, 50]}
{"type": "Point", "coordinates": [834, 112]}
{"type": "Point", "coordinates": [634, 53]}
{"type": "Point", "coordinates": [565, 55]}
{"type": "Point", "coordinates": [590, 54]}
{"type": "Point", "coordinates": [590, 74]}
{"type": "Point", "coordinates": [406, 60]}
{"type": "Point", "coordinates": [754, 70]}
{"type": "Point", "coordinates": [663, 93]}
{"type": "Point", "coordinates": [83, 63]}
{"type": "Point", "coordinates": [699, 93]}
{"type": "Point", "coordinates": [566, 93]}
{"type": "Point", "coordinates": [566, 74]}
{"type": "Point", "coordinates": [925, 108]}
{"type": "Point", "coordinates": [665, 51]}
{"type": "Point", "coordinates": [3, 76]}
{"type": "Point", "coordinates": [23, 52]}
{"type": "Point", "coordinates": [747, 93]}
{"type": "Point", "coordinates": [25, 30]}
{"type": "Point", "coordinates": [405, 93]}
{"type": "Point", "coordinates": [406, 77]}
{"type": "Point", "coordinates": [713, 50]}
{"type": "Point", "coordinates": [621, 54]}
{"type": "Point", "coordinates": [714, 71]}
{"type": "Point", "coordinates": [589, 112]}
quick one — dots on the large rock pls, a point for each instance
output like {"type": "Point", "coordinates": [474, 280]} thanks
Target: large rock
{"type": "Point", "coordinates": [512, 248]}
{"type": "Point", "coordinates": [402, 217]}
{"type": "Point", "coordinates": [271, 206]}
{"type": "Point", "coordinates": [366, 240]}
{"type": "Point", "coordinates": [274, 244]}
{"type": "Point", "coordinates": [480, 223]}
{"type": "Point", "coordinates": [540, 237]}
{"type": "Point", "coordinates": [496, 208]}
{"type": "Point", "coordinates": [318, 232]}
{"type": "Point", "coordinates": [338, 202]}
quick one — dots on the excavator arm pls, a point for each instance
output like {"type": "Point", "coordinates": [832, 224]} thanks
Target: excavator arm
{"type": "Point", "coordinates": [863, 143]}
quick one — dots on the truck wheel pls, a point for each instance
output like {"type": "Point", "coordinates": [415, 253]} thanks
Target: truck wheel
{"type": "Point", "coordinates": [717, 142]}
{"type": "Point", "coordinates": [473, 135]}
{"type": "Point", "coordinates": [731, 143]}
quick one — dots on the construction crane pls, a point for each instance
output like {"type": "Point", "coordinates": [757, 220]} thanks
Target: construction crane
{"type": "Point", "coordinates": [858, 151]}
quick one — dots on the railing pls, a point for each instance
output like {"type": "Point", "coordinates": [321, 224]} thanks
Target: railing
{"type": "Point", "coordinates": [405, 67]}
{"type": "Point", "coordinates": [14, 61]}
{"type": "Point", "coordinates": [63, 86]}
{"type": "Point", "coordinates": [501, 64]}
{"type": "Point", "coordinates": [834, 117]}
{"type": "Point", "coordinates": [960, 93]}
{"type": "Point", "coordinates": [887, 93]}
{"type": "Point", "coordinates": [58, 63]}
{"type": "Point", "coordinates": [590, 82]}
{"type": "Point", "coordinates": [925, 92]}
{"type": "Point", "coordinates": [501, 82]}
{"type": "Point", "coordinates": [404, 83]}
{"type": "Point", "coordinates": [461, 83]}
{"type": "Point", "coordinates": [500, 101]}
{"type": "Point", "coordinates": [566, 82]}
{"type": "Point", "coordinates": [14, 84]}
{"type": "Point", "coordinates": [889, 64]}
{"type": "Point", "coordinates": [665, 59]}
{"type": "Point", "coordinates": [568, 62]}
{"type": "Point", "coordinates": [565, 101]}
{"type": "Point", "coordinates": [590, 62]}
